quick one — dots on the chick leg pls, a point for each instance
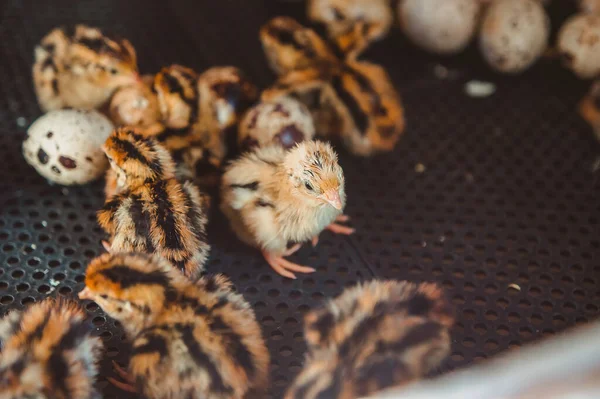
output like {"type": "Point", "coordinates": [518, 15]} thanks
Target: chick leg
{"type": "Point", "coordinates": [106, 245]}
{"type": "Point", "coordinates": [336, 228]}
{"type": "Point", "coordinates": [127, 386]}
{"type": "Point", "coordinates": [292, 250]}
{"type": "Point", "coordinates": [285, 267]}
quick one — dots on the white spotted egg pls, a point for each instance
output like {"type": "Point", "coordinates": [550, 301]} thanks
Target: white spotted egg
{"type": "Point", "coordinates": [65, 146]}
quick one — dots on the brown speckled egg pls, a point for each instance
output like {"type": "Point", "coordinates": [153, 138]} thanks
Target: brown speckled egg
{"type": "Point", "coordinates": [514, 34]}
{"type": "Point", "coordinates": [65, 146]}
{"type": "Point", "coordinates": [439, 26]}
{"type": "Point", "coordinates": [579, 45]}
{"type": "Point", "coordinates": [283, 121]}
{"type": "Point", "coordinates": [135, 105]}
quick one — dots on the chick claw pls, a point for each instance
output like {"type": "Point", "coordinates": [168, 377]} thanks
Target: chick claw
{"type": "Point", "coordinates": [129, 386]}
{"type": "Point", "coordinates": [283, 266]}
{"type": "Point", "coordinates": [292, 250]}
{"type": "Point", "coordinates": [106, 245]}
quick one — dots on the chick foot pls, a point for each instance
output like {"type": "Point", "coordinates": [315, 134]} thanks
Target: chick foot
{"type": "Point", "coordinates": [285, 267]}
{"type": "Point", "coordinates": [127, 386]}
{"type": "Point", "coordinates": [106, 246]}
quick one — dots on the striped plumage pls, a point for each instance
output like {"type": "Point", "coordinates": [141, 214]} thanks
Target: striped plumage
{"type": "Point", "coordinates": [177, 92]}
{"type": "Point", "coordinates": [47, 351]}
{"type": "Point", "coordinates": [354, 100]}
{"type": "Point", "coordinates": [373, 336]}
{"type": "Point", "coordinates": [81, 68]}
{"type": "Point", "coordinates": [153, 212]}
{"type": "Point", "coordinates": [189, 340]}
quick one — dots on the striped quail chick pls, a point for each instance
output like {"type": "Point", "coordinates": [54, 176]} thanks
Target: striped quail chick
{"type": "Point", "coordinates": [47, 351]}
{"type": "Point", "coordinates": [189, 340]}
{"type": "Point", "coordinates": [353, 24]}
{"type": "Point", "coordinates": [153, 212]}
{"type": "Point", "coordinates": [81, 69]}
{"type": "Point", "coordinates": [354, 100]}
{"type": "Point", "coordinates": [373, 336]}
{"type": "Point", "coordinates": [273, 196]}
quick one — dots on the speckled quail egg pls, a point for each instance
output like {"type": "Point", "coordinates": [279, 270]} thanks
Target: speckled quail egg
{"type": "Point", "coordinates": [283, 121]}
{"type": "Point", "coordinates": [64, 146]}
{"type": "Point", "coordinates": [439, 26]}
{"type": "Point", "coordinates": [514, 34]}
{"type": "Point", "coordinates": [592, 6]}
{"type": "Point", "coordinates": [579, 45]}
{"type": "Point", "coordinates": [135, 105]}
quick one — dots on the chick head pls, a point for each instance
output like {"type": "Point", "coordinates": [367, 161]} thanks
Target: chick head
{"type": "Point", "coordinates": [137, 159]}
{"type": "Point", "coordinates": [313, 169]}
{"type": "Point", "coordinates": [105, 60]}
{"type": "Point", "coordinates": [135, 105]}
{"type": "Point", "coordinates": [177, 92]}
{"type": "Point", "coordinates": [132, 288]}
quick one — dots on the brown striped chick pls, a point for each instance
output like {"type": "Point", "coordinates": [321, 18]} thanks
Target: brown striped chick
{"type": "Point", "coordinates": [289, 46]}
{"type": "Point", "coordinates": [272, 197]}
{"type": "Point", "coordinates": [176, 89]}
{"type": "Point", "coordinates": [589, 108]}
{"type": "Point", "coordinates": [353, 24]}
{"type": "Point", "coordinates": [354, 100]}
{"type": "Point", "coordinates": [48, 351]}
{"type": "Point", "coordinates": [284, 121]}
{"type": "Point", "coordinates": [137, 106]}
{"type": "Point", "coordinates": [374, 336]}
{"type": "Point", "coordinates": [81, 69]}
{"type": "Point", "coordinates": [153, 211]}
{"type": "Point", "coordinates": [189, 340]}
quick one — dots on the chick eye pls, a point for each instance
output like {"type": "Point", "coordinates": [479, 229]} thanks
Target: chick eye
{"type": "Point", "coordinates": [308, 186]}
{"type": "Point", "coordinates": [114, 71]}
{"type": "Point", "coordinates": [104, 296]}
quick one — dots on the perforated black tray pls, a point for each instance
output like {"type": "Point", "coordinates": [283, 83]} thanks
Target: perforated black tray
{"type": "Point", "coordinates": [508, 197]}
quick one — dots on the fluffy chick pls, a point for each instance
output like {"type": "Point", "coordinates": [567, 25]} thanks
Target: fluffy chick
{"type": "Point", "coordinates": [190, 340]}
{"type": "Point", "coordinates": [284, 121]}
{"type": "Point", "coordinates": [137, 106]}
{"type": "Point", "coordinates": [354, 100]}
{"type": "Point", "coordinates": [272, 197]}
{"type": "Point", "coordinates": [374, 336]}
{"type": "Point", "coordinates": [177, 92]}
{"type": "Point", "coordinates": [48, 352]}
{"type": "Point", "coordinates": [153, 212]}
{"type": "Point", "coordinates": [353, 24]}
{"type": "Point", "coordinates": [82, 68]}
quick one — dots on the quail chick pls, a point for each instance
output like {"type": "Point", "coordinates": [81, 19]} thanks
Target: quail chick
{"type": "Point", "coordinates": [81, 69]}
{"type": "Point", "coordinates": [177, 92]}
{"type": "Point", "coordinates": [353, 24]}
{"type": "Point", "coordinates": [136, 106]}
{"type": "Point", "coordinates": [189, 340]}
{"type": "Point", "coordinates": [284, 121]}
{"type": "Point", "coordinates": [352, 99]}
{"type": "Point", "coordinates": [48, 351]}
{"type": "Point", "coordinates": [273, 197]}
{"type": "Point", "coordinates": [153, 212]}
{"type": "Point", "coordinates": [373, 336]}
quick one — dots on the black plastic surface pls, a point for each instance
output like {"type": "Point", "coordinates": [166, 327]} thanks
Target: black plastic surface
{"type": "Point", "coordinates": [505, 213]}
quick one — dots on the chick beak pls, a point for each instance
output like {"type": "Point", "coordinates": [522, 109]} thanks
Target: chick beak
{"type": "Point", "coordinates": [333, 198]}
{"type": "Point", "coordinates": [86, 294]}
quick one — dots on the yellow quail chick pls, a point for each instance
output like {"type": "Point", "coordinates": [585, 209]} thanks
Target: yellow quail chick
{"type": "Point", "coordinates": [273, 196]}
{"type": "Point", "coordinates": [153, 212]}
{"type": "Point", "coordinates": [137, 106]}
{"type": "Point", "coordinates": [284, 121]}
{"type": "Point", "coordinates": [189, 340]}
{"type": "Point", "coordinates": [48, 351]}
{"type": "Point", "coordinates": [81, 69]}
{"type": "Point", "coordinates": [371, 337]}
{"type": "Point", "coordinates": [354, 100]}
{"type": "Point", "coordinates": [353, 24]}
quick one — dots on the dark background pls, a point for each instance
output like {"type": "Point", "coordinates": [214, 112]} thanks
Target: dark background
{"type": "Point", "coordinates": [509, 194]}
